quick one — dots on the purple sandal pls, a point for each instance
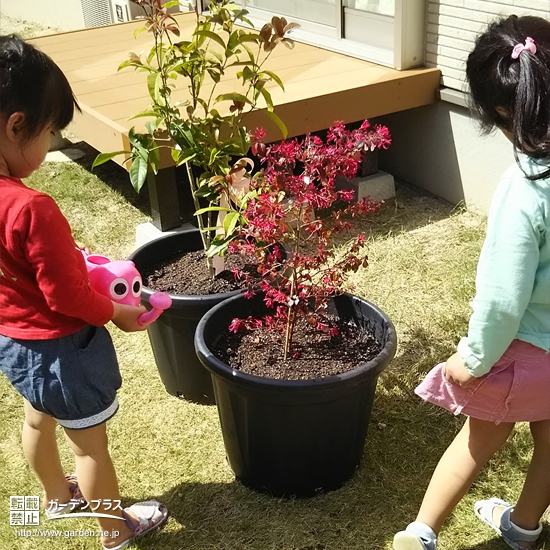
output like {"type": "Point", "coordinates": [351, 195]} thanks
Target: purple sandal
{"type": "Point", "coordinates": [76, 502]}
{"type": "Point", "coordinates": [151, 515]}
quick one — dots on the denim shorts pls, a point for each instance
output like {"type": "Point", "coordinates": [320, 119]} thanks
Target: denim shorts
{"type": "Point", "coordinates": [74, 378]}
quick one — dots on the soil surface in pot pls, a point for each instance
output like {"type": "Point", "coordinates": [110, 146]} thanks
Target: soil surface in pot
{"type": "Point", "coordinates": [314, 354]}
{"type": "Point", "coordinates": [187, 274]}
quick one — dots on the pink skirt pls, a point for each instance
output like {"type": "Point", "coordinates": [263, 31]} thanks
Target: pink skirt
{"type": "Point", "coordinates": [516, 389]}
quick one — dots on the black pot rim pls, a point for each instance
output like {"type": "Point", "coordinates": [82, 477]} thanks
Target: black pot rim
{"type": "Point", "coordinates": [365, 370]}
{"type": "Point", "coordinates": [181, 300]}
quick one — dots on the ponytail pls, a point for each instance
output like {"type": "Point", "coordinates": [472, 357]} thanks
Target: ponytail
{"type": "Point", "coordinates": [509, 69]}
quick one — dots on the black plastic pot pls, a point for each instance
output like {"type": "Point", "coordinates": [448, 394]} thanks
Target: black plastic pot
{"type": "Point", "coordinates": [288, 437]}
{"type": "Point", "coordinates": [172, 335]}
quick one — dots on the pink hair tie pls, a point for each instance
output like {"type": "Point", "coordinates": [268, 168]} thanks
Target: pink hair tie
{"type": "Point", "coordinates": [529, 45]}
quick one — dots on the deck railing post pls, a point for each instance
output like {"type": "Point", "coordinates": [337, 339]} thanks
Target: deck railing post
{"type": "Point", "coordinates": [163, 196]}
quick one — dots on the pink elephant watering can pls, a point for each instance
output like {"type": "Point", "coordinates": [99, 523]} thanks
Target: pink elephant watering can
{"type": "Point", "coordinates": [120, 281]}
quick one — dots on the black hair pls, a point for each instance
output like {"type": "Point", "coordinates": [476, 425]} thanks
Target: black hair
{"type": "Point", "coordinates": [30, 82]}
{"type": "Point", "coordinates": [520, 87]}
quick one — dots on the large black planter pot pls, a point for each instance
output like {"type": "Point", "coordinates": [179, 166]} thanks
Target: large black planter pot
{"type": "Point", "coordinates": [173, 333]}
{"type": "Point", "coordinates": [287, 437]}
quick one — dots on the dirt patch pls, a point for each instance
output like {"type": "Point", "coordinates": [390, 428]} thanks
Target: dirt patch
{"type": "Point", "coordinates": [314, 353]}
{"type": "Point", "coordinates": [187, 274]}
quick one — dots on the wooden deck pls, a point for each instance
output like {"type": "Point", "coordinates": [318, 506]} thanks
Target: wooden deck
{"type": "Point", "coordinates": [321, 86]}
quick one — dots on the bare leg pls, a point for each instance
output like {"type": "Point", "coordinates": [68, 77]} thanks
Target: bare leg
{"type": "Point", "coordinates": [98, 481]}
{"type": "Point", "coordinates": [474, 445]}
{"type": "Point", "coordinates": [40, 448]}
{"type": "Point", "coordinates": [535, 495]}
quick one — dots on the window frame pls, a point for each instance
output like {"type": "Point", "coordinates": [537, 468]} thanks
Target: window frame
{"type": "Point", "coordinates": [404, 50]}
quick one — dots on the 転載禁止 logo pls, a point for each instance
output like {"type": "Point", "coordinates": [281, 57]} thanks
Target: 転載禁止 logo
{"type": "Point", "coordinates": [25, 510]}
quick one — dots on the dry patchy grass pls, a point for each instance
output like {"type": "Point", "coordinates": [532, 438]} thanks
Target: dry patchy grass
{"type": "Point", "coordinates": [422, 263]}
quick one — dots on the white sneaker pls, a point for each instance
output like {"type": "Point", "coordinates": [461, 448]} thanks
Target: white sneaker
{"type": "Point", "coordinates": [417, 536]}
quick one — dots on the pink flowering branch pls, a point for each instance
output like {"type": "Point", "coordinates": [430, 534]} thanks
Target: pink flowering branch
{"type": "Point", "coordinates": [297, 205]}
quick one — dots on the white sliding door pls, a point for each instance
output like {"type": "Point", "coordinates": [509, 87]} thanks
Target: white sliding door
{"type": "Point", "coordinates": [388, 32]}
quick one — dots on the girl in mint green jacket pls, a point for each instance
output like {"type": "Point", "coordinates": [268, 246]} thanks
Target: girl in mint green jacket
{"type": "Point", "coordinates": [500, 373]}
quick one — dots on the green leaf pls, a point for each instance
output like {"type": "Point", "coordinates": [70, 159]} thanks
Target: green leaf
{"type": "Point", "coordinates": [232, 43]}
{"type": "Point", "coordinates": [203, 104]}
{"type": "Point", "coordinates": [208, 193]}
{"type": "Point", "coordinates": [152, 53]}
{"type": "Point", "coordinates": [145, 114]}
{"type": "Point", "coordinates": [161, 93]}
{"type": "Point", "coordinates": [171, 4]}
{"type": "Point", "coordinates": [154, 158]}
{"type": "Point", "coordinates": [151, 126]}
{"type": "Point", "coordinates": [139, 31]}
{"type": "Point", "coordinates": [241, 15]}
{"type": "Point", "coordinates": [152, 84]}
{"type": "Point", "coordinates": [212, 209]}
{"type": "Point", "coordinates": [244, 200]}
{"type": "Point", "coordinates": [212, 35]}
{"type": "Point", "coordinates": [249, 37]}
{"type": "Point", "coordinates": [217, 55]}
{"type": "Point", "coordinates": [245, 140]}
{"type": "Point", "coordinates": [233, 97]}
{"type": "Point", "coordinates": [138, 173]}
{"type": "Point", "coordinates": [131, 63]}
{"type": "Point", "coordinates": [219, 245]}
{"type": "Point", "coordinates": [184, 137]}
{"type": "Point", "coordinates": [274, 77]}
{"type": "Point", "coordinates": [142, 142]}
{"type": "Point", "coordinates": [213, 154]}
{"type": "Point", "coordinates": [246, 20]}
{"type": "Point", "coordinates": [247, 74]}
{"type": "Point", "coordinates": [214, 75]}
{"type": "Point", "coordinates": [250, 54]}
{"type": "Point", "coordinates": [181, 157]}
{"type": "Point", "coordinates": [242, 64]}
{"type": "Point", "coordinates": [102, 158]}
{"type": "Point", "coordinates": [230, 222]}
{"type": "Point", "coordinates": [278, 122]}
{"type": "Point", "coordinates": [267, 97]}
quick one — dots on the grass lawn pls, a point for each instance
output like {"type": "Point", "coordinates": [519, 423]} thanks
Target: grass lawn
{"type": "Point", "coordinates": [422, 257]}
{"type": "Point", "coordinates": [422, 266]}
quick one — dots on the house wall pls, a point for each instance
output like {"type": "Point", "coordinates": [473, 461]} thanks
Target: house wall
{"type": "Point", "coordinates": [452, 26]}
{"type": "Point", "coordinates": [439, 148]}
{"type": "Point", "coordinates": [68, 15]}
{"type": "Point", "coordinates": [436, 147]}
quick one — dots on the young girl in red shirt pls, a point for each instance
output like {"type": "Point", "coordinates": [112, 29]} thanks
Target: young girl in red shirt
{"type": "Point", "coordinates": [54, 347]}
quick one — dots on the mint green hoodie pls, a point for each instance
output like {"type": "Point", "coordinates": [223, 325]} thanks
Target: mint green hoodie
{"type": "Point", "coordinates": [512, 298]}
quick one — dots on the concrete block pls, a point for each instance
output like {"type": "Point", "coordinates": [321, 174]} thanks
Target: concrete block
{"type": "Point", "coordinates": [65, 155]}
{"type": "Point", "coordinates": [146, 232]}
{"type": "Point", "coordinates": [379, 186]}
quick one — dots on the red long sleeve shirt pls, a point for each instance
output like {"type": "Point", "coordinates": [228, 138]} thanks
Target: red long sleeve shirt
{"type": "Point", "coordinates": [44, 285]}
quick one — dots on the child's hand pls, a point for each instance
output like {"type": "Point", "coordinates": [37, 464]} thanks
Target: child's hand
{"type": "Point", "coordinates": [126, 317]}
{"type": "Point", "coordinates": [82, 246]}
{"type": "Point", "coordinates": [455, 371]}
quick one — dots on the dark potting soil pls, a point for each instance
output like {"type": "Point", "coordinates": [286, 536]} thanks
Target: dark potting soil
{"type": "Point", "coordinates": [187, 274]}
{"type": "Point", "coordinates": [314, 354]}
